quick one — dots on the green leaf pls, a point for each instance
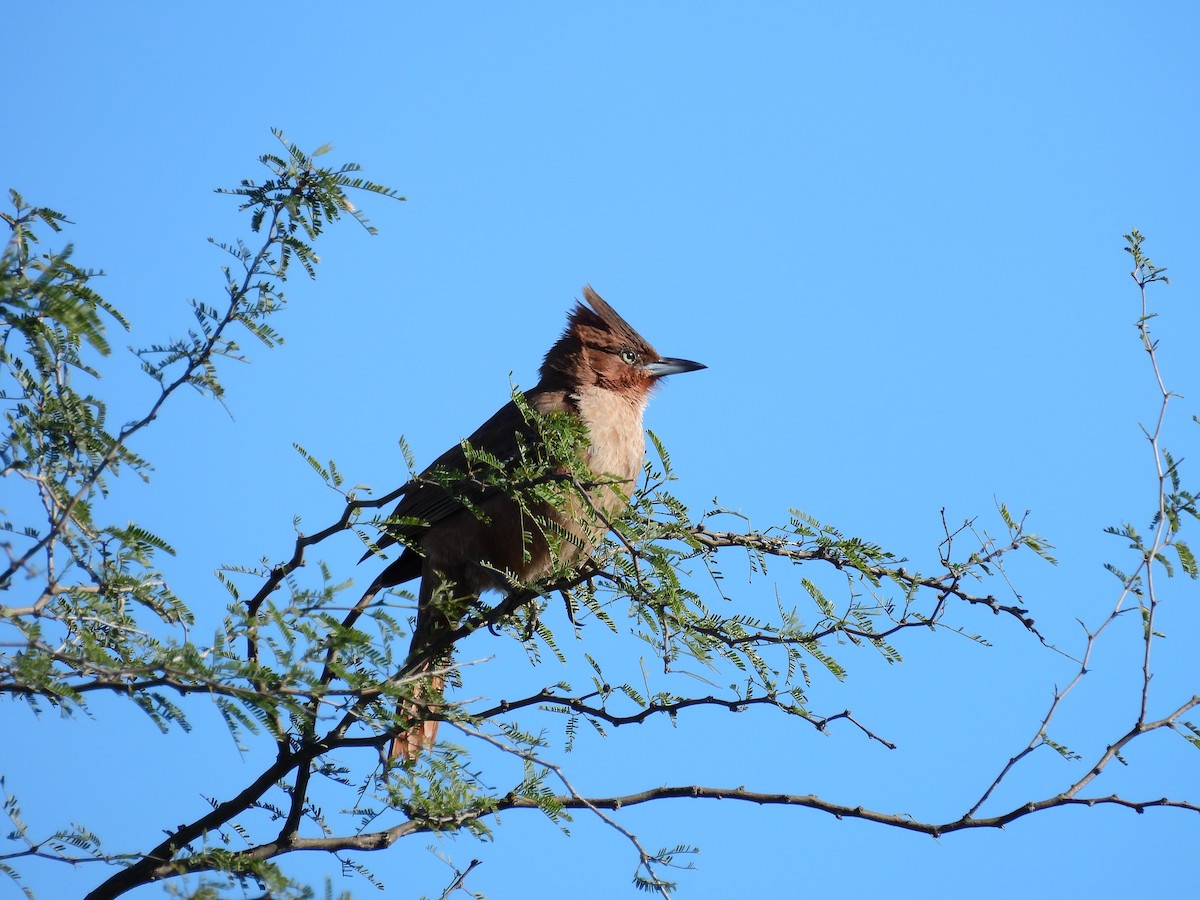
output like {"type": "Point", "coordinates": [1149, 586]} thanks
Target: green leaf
{"type": "Point", "coordinates": [1187, 561]}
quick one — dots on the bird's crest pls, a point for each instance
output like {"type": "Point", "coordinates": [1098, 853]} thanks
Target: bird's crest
{"type": "Point", "coordinates": [606, 318]}
{"type": "Point", "coordinates": [594, 325]}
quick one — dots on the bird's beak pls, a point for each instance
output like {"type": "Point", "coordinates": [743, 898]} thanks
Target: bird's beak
{"type": "Point", "coordinates": [668, 365]}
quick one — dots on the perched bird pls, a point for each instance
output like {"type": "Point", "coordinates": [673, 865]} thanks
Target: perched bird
{"type": "Point", "coordinates": [601, 371]}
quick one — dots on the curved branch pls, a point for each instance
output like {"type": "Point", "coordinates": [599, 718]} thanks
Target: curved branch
{"type": "Point", "coordinates": [383, 839]}
{"type": "Point", "coordinates": [794, 551]}
{"type": "Point", "coordinates": [841, 811]}
{"type": "Point", "coordinates": [578, 705]}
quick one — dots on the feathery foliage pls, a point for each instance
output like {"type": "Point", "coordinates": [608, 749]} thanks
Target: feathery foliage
{"type": "Point", "coordinates": [307, 676]}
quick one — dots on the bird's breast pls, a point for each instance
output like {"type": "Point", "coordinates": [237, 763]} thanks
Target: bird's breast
{"type": "Point", "coordinates": [617, 439]}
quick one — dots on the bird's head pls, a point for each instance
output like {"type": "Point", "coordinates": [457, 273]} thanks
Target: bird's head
{"type": "Point", "coordinates": [601, 349]}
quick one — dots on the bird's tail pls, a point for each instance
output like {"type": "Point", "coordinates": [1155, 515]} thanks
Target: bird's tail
{"type": "Point", "coordinates": [422, 733]}
{"type": "Point", "coordinates": [430, 657]}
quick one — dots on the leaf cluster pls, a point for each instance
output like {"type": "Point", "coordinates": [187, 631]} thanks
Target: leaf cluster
{"type": "Point", "coordinates": [85, 608]}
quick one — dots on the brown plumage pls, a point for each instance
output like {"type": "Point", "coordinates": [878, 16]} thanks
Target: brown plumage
{"type": "Point", "coordinates": [600, 370]}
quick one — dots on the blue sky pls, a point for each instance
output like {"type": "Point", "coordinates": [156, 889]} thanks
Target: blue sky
{"type": "Point", "coordinates": [892, 231]}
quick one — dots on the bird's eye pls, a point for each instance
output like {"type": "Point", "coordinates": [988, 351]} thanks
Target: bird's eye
{"type": "Point", "coordinates": [628, 356]}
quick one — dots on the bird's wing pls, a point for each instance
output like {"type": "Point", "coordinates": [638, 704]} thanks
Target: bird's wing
{"type": "Point", "coordinates": [498, 436]}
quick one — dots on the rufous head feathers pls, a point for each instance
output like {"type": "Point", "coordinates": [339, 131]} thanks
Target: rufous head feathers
{"type": "Point", "coordinates": [599, 347]}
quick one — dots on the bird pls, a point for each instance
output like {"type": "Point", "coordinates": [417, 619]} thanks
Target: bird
{"type": "Point", "coordinates": [465, 539]}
